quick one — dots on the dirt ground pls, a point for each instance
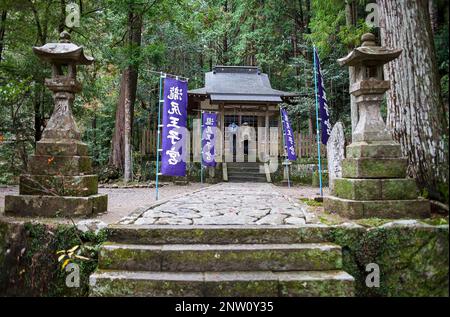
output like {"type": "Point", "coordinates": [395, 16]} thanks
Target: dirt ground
{"type": "Point", "coordinates": [122, 201]}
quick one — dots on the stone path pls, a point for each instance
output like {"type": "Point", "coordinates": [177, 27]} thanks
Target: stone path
{"type": "Point", "coordinates": [225, 204]}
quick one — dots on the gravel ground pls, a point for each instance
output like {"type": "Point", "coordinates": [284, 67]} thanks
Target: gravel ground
{"type": "Point", "coordinates": [297, 192]}
{"type": "Point", "coordinates": [122, 202]}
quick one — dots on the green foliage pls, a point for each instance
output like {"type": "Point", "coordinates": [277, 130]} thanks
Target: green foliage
{"type": "Point", "coordinates": [311, 202]}
{"type": "Point", "coordinates": [182, 37]}
{"type": "Point", "coordinates": [40, 273]}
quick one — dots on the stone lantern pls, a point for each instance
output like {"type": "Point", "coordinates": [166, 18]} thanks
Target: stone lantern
{"type": "Point", "coordinates": [59, 181]}
{"type": "Point", "coordinates": [373, 182]}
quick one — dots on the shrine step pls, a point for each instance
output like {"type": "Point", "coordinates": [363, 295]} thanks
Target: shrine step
{"type": "Point", "coordinates": [240, 168]}
{"type": "Point", "coordinates": [248, 179]}
{"type": "Point", "coordinates": [216, 234]}
{"type": "Point", "coordinates": [228, 257]}
{"type": "Point", "coordinates": [245, 172]}
{"type": "Point", "coordinates": [230, 284]}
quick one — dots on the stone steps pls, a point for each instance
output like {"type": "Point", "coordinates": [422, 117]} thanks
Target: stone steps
{"type": "Point", "coordinates": [218, 234]}
{"type": "Point", "coordinates": [248, 179]}
{"type": "Point", "coordinates": [245, 172]}
{"type": "Point", "coordinates": [220, 261]}
{"type": "Point", "coordinates": [228, 257]}
{"type": "Point", "coordinates": [220, 284]}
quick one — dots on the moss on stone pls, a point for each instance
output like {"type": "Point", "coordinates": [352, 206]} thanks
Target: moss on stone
{"type": "Point", "coordinates": [315, 179]}
{"type": "Point", "coordinates": [372, 222]}
{"type": "Point", "coordinates": [30, 268]}
{"type": "Point", "coordinates": [311, 202]}
{"type": "Point", "coordinates": [413, 259]}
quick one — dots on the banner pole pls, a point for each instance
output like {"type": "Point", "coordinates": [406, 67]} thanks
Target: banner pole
{"type": "Point", "coordinates": [285, 149]}
{"type": "Point", "coordinates": [161, 100]}
{"type": "Point", "coordinates": [317, 122]}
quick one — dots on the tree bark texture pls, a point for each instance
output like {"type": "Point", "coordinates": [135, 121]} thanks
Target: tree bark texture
{"type": "Point", "coordinates": [121, 141]}
{"type": "Point", "coordinates": [3, 15]}
{"type": "Point", "coordinates": [416, 113]}
{"type": "Point", "coordinates": [351, 18]}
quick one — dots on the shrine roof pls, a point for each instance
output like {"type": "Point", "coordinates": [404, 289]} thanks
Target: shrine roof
{"type": "Point", "coordinates": [239, 84]}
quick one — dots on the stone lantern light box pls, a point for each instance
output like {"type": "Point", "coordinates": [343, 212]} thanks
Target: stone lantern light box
{"type": "Point", "coordinates": [60, 180]}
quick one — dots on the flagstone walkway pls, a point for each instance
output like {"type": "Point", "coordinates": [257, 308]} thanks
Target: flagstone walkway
{"type": "Point", "coordinates": [224, 204]}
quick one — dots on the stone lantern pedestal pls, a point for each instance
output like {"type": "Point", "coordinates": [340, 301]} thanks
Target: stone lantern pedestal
{"type": "Point", "coordinates": [373, 182]}
{"type": "Point", "coordinates": [60, 181]}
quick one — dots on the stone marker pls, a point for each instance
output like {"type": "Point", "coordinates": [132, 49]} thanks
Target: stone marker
{"type": "Point", "coordinates": [373, 182]}
{"type": "Point", "coordinates": [60, 181]}
{"type": "Point", "coordinates": [335, 153]}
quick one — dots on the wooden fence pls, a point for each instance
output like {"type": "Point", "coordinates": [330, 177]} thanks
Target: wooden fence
{"type": "Point", "coordinates": [305, 145]}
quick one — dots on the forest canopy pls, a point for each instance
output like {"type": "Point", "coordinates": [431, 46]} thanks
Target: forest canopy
{"type": "Point", "coordinates": [130, 39]}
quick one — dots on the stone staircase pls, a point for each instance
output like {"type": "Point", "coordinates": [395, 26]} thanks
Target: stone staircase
{"type": "Point", "coordinates": [233, 261]}
{"type": "Point", "coordinates": [245, 172]}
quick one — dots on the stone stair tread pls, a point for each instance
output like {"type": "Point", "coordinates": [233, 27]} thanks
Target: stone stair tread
{"type": "Point", "coordinates": [232, 283]}
{"type": "Point", "coordinates": [218, 234]}
{"type": "Point", "coordinates": [255, 171]}
{"type": "Point", "coordinates": [222, 276]}
{"type": "Point", "coordinates": [246, 179]}
{"type": "Point", "coordinates": [221, 258]}
{"type": "Point", "coordinates": [223, 247]}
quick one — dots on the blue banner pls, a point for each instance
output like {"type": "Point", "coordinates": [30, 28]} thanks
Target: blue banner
{"type": "Point", "coordinates": [174, 128]}
{"type": "Point", "coordinates": [325, 124]}
{"type": "Point", "coordinates": [209, 126]}
{"type": "Point", "coordinates": [288, 135]}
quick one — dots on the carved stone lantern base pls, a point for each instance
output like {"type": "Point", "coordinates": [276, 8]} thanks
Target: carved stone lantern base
{"type": "Point", "coordinates": [374, 184]}
{"type": "Point", "coordinates": [59, 183]}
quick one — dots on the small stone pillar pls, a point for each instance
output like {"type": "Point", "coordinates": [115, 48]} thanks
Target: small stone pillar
{"type": "Point", "coordinates": [373, 182]}
{"type": "Point", "coordinates": [60, 181]}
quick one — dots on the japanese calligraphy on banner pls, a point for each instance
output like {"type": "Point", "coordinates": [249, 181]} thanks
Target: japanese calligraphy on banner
{"type": "Point", "coordinates": [209, 126]}
{"type": "Point", "coordinates": [173, 162]}
{"type": "Point", "coordinates": [323, 103]}
{"type": "Point", "coordinates": [288, 136]}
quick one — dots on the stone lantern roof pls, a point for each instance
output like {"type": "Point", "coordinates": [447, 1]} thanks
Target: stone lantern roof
{"type": "Point", "coordinates": [369, 54]}
{"type": "Point", "coordinates": [64, 52]}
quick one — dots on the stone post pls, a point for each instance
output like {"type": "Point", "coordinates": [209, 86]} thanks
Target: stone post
{"type": "Point", "coordinates": [60, 181]}
{"type": "Point", "coordinates": [373, 182]}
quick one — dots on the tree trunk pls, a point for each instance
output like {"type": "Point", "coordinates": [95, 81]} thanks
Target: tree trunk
{"type": "Point", "coordinates": [434, 17]}
{"type": "Point", "coordinates": [2, 31]}
{"type": "Point", "coordinates": [351, 19]}
{"type": "Point", "coordinates": [62, 18]}
{"type": "Point", "coordinates": [416, 112]}
{"type": "Point", "coordinates": [121, 142]}
{"type": "Point", "coordinates": [225, 38]}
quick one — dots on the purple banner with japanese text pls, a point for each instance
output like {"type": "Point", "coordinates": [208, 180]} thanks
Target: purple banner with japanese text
{"type": "Point", "coordinates": [209, 126]}
{"type": "Point", "coordinates": [323, 103]}
{"type": "Point", "coordinates": [289, 142]}
{"type": "Point", "coordinates": [173, 162]}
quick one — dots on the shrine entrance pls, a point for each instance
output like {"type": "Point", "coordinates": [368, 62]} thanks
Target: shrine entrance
{"type": "Point", "coordinates": [234, 122]}
{"type": "Point", "coordinates": [247, 106]}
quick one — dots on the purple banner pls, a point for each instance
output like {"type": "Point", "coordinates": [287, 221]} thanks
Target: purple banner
{"type": "Point", "coordinates": [174, 128]}
{"type": "Point", "coordinates": [288, 136]}
{"type": "Point", "coordinates": [325, 124]}
{"type": "Point", "coordinates": [209, 126]}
